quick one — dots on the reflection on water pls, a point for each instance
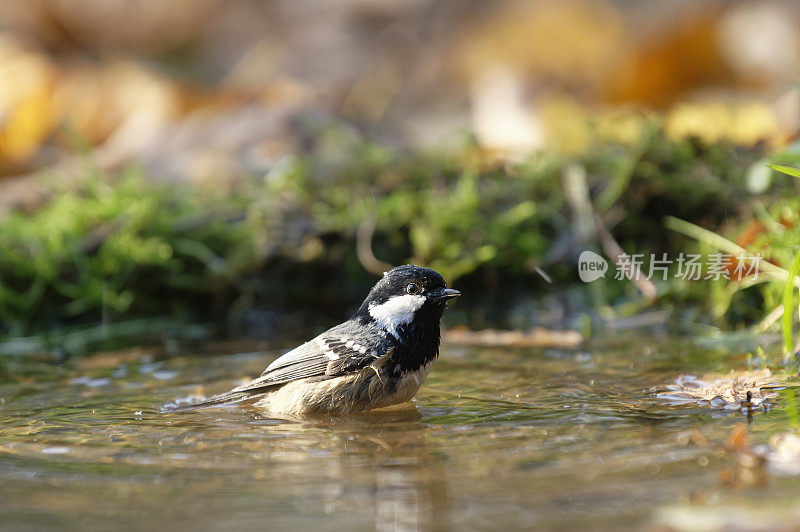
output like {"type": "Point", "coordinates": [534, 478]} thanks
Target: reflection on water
{"type": "Point", "coordinates": [496, 438]}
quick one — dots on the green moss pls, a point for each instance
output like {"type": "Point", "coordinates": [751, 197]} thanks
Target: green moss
{"type": "Point", "coordinates": [123, 248]}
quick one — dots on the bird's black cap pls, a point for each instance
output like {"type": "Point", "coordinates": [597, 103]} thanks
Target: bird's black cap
{"type": "Point", "coordinates": [397, 280]}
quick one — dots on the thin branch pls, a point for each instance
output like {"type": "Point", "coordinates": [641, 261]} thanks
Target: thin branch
{"type": "Point", "coordinates": [364, 247]}
{"type": "Point", "coordinates": [612, 249]}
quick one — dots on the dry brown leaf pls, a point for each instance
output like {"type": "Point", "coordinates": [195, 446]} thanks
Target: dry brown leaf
{"type": "Point", "coordinates": [737, 439]}
{"type": "Point", "coordinates": [26, 115]}
{"type": "Point", "coordinates": [746, 390]}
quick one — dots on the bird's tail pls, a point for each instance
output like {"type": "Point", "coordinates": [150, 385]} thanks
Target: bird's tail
{"type": "Point", "coordinates": [223, 399]}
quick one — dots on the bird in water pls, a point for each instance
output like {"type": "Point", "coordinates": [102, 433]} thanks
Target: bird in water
{"type": "Point", "coordinates": [377, 358]}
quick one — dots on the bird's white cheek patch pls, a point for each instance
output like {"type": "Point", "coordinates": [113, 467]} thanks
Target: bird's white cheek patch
{"type": "Point", "coordinates": [396, 312]}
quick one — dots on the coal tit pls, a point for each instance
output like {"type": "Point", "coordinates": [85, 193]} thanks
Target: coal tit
{"type": "Point", "coordinates": [378, 358]}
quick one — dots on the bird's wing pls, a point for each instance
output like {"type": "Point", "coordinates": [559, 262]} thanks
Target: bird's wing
{"type": "Point", "coordinates": [330, 354]}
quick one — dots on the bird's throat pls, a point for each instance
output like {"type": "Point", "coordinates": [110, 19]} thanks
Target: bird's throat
{"type": "Point", "coordinates": [418, 344]}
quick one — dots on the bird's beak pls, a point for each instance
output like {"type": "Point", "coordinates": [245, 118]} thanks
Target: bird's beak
{"type": "Point", "coordinates": [443, 294]}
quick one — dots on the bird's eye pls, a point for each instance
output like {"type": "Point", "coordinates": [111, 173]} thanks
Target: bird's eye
{"type": "Point", "coordinates": [412, 288]}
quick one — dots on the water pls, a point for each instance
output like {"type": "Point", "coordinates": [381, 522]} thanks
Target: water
{"type": "Point", "coordinates": [497, 438]}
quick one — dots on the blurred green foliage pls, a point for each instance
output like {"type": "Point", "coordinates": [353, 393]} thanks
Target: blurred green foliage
{"type": "Point", "coordinates": [766, 225]}
{"type": "Point", "coordinates": [127, 247]}
{"type": "Point", "coordinates": [118, 249]}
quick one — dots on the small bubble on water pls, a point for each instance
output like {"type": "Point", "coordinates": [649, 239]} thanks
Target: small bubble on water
{"type": "Point", "coordinates": [164, 375]}
{"type": "Point", "coordinates": [55, 450]}
{"type": "Point", "coordinates": [91, 383]}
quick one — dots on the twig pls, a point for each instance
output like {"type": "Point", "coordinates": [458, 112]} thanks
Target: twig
{"type": "Point", "coordinates": [774, 315]}
{"type": "Point", "coordinates": [613, 249]}
{"type": "Point", "coordinates": [586, 221]}
{"type": "Point", "coordinates": [364, 247]}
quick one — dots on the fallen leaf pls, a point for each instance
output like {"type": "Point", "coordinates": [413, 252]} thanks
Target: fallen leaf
{"type": "Point", "coordinates": [743, 391]}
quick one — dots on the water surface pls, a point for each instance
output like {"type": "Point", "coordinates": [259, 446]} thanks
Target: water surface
{"type": "Point", "coordinates": [497, 438]}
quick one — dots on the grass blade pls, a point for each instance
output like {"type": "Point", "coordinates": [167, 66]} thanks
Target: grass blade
{"type": "Point", "coordinates": [723, 244]}
{"type": "Point", "coordinates": [788, 170]}
{"type": "Point", "coordinates": [789, 304]}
